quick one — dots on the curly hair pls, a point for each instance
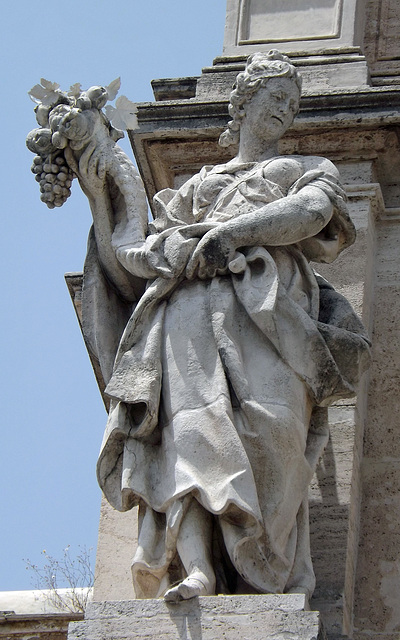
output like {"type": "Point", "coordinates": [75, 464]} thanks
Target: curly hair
{"type": "Point", "coordinates": [260, 67]}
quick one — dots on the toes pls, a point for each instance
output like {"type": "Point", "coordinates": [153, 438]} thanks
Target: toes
{"type": "Point", "coordinates": [173, 595]}
{"type": "Point", "coordinates": [190, 589]}
{"type": "Point", "coordinates": [187, 589]}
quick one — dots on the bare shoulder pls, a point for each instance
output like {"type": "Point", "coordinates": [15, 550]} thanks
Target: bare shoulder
{"type": "Point", "coordinates": [312, 163]}
{"type": "Point", "coordinates": [286, 170]}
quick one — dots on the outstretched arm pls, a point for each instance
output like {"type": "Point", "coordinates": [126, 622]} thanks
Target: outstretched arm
{"type": "Point", "coordinates": [282, 222]}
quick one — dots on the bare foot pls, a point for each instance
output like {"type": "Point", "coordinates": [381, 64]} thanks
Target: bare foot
{"type": "Point", "coordinates": [194, 585]}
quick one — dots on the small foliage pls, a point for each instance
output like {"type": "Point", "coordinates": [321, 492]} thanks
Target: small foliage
{"type": "Point", "coordinates": [45, 93]}
{"type": "Point", "coordinates": [74, 573]}
{"type": "Point", "coordinates": [123, 115]}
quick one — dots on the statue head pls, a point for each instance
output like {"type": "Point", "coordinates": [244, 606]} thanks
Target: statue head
{"type": "Point", "coordinates": [260, 68]}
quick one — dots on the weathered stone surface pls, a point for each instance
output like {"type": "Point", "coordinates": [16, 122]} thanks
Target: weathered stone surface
{"type": "Point", "coordinates": [32, 615]}
{"type": "Point", "coordinates": [381, 441]}
{"type": "Point", "coordinates": [381, 42]}
{"type": "Point", "coordinates": [378, 576]}
{"type": "Point", "coordinates": [116, 546]}
{"type": "Point", "coordinates": [324, 37]}
{"type": "Point", "coordinates": [204, 618]}
{"type": "Point", "coordinates": [252, 25]}
{"type": "Point", "coordinates": [48, 626]}
{"type": "Point", "coordinates": [330, 497]}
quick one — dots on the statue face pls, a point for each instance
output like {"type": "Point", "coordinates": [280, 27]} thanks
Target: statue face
{"type": "Point", "coordinates": [271, 111]}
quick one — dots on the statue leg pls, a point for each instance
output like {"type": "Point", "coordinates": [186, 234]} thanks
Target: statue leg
{"type": "Point", "coordinates": [194, 548]}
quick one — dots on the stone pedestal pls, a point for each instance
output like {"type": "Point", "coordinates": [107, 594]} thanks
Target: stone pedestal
{"type": "Point", "coordinates": [257, 25]}
{"type": "Point", "coordinates": [206, 618]}
{"type": "Point", "coordinates": [327, 36]}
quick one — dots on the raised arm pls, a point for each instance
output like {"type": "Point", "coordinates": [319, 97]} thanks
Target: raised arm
{"type": "Point", "coordinates": [75, 139]}
{"type": "Point", "coordinates": [118, 205]}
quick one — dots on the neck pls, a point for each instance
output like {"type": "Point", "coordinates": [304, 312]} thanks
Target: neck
{"type": "Point", "coordinates": [252, 149]}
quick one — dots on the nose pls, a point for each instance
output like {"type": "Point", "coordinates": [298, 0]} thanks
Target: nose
{"type": "Point", "coordinates": [284, 106]}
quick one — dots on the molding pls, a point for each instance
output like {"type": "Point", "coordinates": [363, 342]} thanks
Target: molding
{"type": "Point", "coordinates": [177, 137]}
{"type": "Point", "coordinates": [371, 192]}
{"type": "Point", "coordinates": [47, 626]}
{"type": "Point", "coordinates": [391, 214]}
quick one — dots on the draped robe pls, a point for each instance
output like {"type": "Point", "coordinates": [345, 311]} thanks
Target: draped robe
{"type": "Point", "coordinates": [219, 385]}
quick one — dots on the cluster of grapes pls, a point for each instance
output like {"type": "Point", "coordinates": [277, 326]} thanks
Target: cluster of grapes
{"type": "Point", "coordinates": [54, 177]}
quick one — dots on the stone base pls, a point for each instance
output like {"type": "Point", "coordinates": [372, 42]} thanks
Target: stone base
{"type": "Point", "coordinates": [204, 618]}
{"type": "Point", "coordinates": [320, 73]}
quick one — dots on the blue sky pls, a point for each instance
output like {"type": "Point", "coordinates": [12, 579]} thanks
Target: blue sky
{"type": "Point", "coordinates": [52, 414]}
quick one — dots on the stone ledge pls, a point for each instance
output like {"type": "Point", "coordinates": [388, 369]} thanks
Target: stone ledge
{"type": "Point", "coordinates": [204, 618]}
{"type": "Point", "coordinates": [39, 626]}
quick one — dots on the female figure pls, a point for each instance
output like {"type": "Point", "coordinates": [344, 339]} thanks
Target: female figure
{"type": "Point", "coordinates": [234, 347]}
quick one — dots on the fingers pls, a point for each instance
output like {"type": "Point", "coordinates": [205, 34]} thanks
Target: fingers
{"type": "Point", "coordinates": [204, 263]}
{"type": "Point", "coordinates": [199, 268]}
{"type": "Point", "coordinates": [101, 167]}
{"type": "Point", "coordinates": [177, 251]}
{"type": "Point", "coordinates": [85, 158]}
{"type": "Point", "coordinates": [205, 271]}
{"type": "Point", "coordinates": [193, 264]}
{"type": "Point", "coordinates": [93, 167]}
{"type": "Point", "coordinates": [87, 163]}
{"type": "Point", "coordinates": [158, 264]}
{"type": "Point", "coordinates": [164, 272]}
{"type": "Point", "coordinates": [197, 263]}
{"type": "Point", "coordinates": [69, 156]}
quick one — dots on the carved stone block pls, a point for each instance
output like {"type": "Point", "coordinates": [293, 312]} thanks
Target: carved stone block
{"type": "Point", "coordinates": [205, 618]}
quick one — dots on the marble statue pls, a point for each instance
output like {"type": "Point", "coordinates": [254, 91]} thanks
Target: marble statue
{"type": "Point", "coordinates": [219, 345]}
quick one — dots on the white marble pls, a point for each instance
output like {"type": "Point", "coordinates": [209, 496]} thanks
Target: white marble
{"type": "Point", "coordinates": [218, 374]}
